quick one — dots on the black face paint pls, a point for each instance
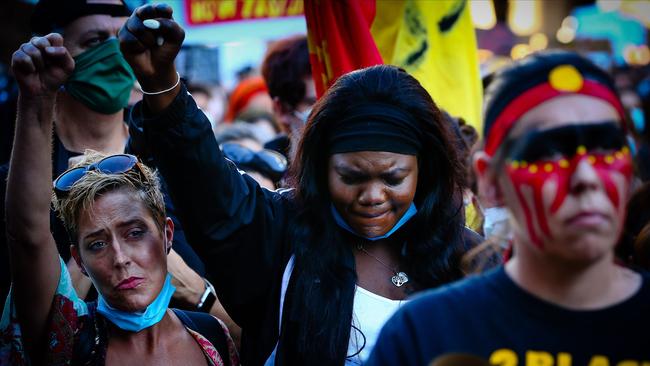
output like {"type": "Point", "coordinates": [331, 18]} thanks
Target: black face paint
{"type": "Point", "coordinates": [564, 141]}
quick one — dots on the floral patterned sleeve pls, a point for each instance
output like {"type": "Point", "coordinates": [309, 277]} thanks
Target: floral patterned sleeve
{"type": "Point", "coordinates": [63, 326]}
{"type": "Point", "coordinates": [211, 352]}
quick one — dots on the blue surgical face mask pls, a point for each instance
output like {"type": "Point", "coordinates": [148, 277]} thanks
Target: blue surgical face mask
{"type": "Point", "coordinates": [137, 321]}
{"type": "Point", "coordinates": [403, 220]}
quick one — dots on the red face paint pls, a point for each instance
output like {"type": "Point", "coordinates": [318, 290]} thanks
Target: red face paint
{"type": "Point", "coordinates": [533, 175]}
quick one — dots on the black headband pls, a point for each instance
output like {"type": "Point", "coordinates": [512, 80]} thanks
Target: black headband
{"type": "Point", "coordinates": [376, 127]}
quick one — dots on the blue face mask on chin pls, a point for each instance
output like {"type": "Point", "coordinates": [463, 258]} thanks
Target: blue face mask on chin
{"type": "Point", "coordinates": [410, 212]}
{"type": "Point", "coordinates": [137, 321]}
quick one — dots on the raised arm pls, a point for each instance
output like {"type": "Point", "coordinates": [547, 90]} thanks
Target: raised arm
{"type": "Point", "coordinates": [235, 226]}
{"type": "Point", "coordinates": [40, 66]}
{"type": "Point", "coordinates": [151, 52]}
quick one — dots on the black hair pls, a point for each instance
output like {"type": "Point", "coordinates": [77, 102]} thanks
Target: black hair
{"type": "Point", "coordinates": [325, 285]}
{"type": "Point", "coordinates": [636, 219]}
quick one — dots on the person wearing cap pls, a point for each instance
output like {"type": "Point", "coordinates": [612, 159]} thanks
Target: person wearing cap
{"type": "Point", "coordinates": [120, 236]}
{"type": "Point", "coordinates": [89, 114]}
{"type": "Point", "coordinates": [375, 215]}
{"type": "Point", "coordinates": [98, 90]}
{"type": "Point", "coordinates": [250, 94]}
{"type": "Point", "coordinates": [556, 157]}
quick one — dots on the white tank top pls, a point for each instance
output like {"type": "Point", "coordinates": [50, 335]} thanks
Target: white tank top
{"type": "Point", "coordinates": [369, 313]}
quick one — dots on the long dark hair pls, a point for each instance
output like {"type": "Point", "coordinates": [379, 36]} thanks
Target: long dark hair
{"type": "Point", "coordinates": [326, 276]}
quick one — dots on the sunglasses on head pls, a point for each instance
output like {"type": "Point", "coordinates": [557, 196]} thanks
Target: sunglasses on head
{"type": "Point", "coordinates": [268, 162]}
{"type": "Point", "coordinates": [114, 164]}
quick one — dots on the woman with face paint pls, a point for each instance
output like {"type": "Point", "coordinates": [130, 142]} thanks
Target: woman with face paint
{"type": "Point", "coordinates": [556, 157]}
{"type": "Point", "coordinates": [114, 214]}
{"type": "Point", "coordinates": [311, 274]}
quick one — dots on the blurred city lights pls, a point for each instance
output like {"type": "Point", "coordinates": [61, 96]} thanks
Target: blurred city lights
{"type": "Point", "coordinates": [609, 5]}
{"type": "Point", "coordinates": [520, 50]}
{"type": "Point", "coordinates": [565, 35]}
{"type": "Point", "coordinates": [483, 15]}
{"type": "Point", "coordinates": [570, 22]}
{"type": "Point", "coordinates": [484, 55]}
{"type": "Point", "coordinates": [524, 16]}
{"type": "Point", "coordinates": [614, 27]}
{"type": "Point", "coordinates": [637, 55]}
{"type": "Point", "coordinates": [639, 10]}
{"type": "Point", "coordinates": [538, 41]}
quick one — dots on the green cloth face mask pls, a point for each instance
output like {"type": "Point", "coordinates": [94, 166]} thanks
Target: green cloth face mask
{"type": "Point", "coordinates": [102, 79]}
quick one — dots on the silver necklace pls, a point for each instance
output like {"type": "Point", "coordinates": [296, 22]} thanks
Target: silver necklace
{"type": "Point", "coordinates": [399, 279]}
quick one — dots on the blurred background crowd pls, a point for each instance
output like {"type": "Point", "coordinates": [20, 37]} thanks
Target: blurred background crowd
{"type": "Point", "coordinates": [226, 42]}
{"type": "Point", "coordinates": [247, 65]}
{"type": "Point", "coordinates": [256, 68]}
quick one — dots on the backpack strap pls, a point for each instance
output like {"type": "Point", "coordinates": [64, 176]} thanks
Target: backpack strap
{"type": "Point", "coordinates": [286, 277]}
{"type": "Point", "coordinates": [92, 339]}
{"type": "Point", "coordinates": [209, 327]}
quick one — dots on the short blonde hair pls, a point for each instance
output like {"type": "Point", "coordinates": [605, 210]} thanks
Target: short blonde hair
{"type": "Point", "coordinates": [144, 182]}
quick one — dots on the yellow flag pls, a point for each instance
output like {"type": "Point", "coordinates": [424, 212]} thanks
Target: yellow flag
{"type": "Point", "coordinates": [434, 41]}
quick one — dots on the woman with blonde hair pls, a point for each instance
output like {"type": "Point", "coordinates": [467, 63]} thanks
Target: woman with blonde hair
{"type": "Point", "coordinates": [114, 213]}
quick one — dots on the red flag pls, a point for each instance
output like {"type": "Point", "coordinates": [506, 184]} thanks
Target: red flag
{"type": "Point", "coordinates": [432, 40]}
{"type": "Point", "coordinates": [339, 38]}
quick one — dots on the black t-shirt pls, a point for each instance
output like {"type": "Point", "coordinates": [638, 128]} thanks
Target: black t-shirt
{"type": "Point", "coordinates": [491, 317]}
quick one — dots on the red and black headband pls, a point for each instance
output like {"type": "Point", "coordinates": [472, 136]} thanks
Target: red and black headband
{"type": "Point", "coordinates": [528, 83]}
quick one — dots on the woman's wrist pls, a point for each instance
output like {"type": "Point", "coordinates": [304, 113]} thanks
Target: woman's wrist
{"type": "Point", "coordinates": [36, 102]}
{"type": "Point", "coordinates": [208, 298]}
{"type": "Point", "coordinates": [160, 80]}
{"type": "Point", "coordinates": [162, 91]}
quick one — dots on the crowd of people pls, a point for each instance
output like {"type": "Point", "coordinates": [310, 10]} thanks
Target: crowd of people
{"type": "Point", "coordinates": [364, 227]}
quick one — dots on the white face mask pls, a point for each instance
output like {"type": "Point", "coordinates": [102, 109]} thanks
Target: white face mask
{"type": "Point", "coordinates": [302, 115]}
{"type": "Point", "coordinates": [495, 222]}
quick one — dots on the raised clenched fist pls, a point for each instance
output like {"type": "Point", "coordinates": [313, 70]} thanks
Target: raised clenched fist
{"type": "Point", "coordinates": [42, 65]}
{"type": "Point", "coordinates": [150, 41]}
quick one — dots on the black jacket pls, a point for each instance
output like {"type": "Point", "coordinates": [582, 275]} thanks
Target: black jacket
{"type": "Point", "coordinates": [240, 231]}
{"type": "Point", "coordinates": [237, 228]}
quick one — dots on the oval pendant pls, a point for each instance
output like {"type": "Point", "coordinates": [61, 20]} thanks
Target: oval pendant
{"type": "Point", "coordinates": [399, 279]}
